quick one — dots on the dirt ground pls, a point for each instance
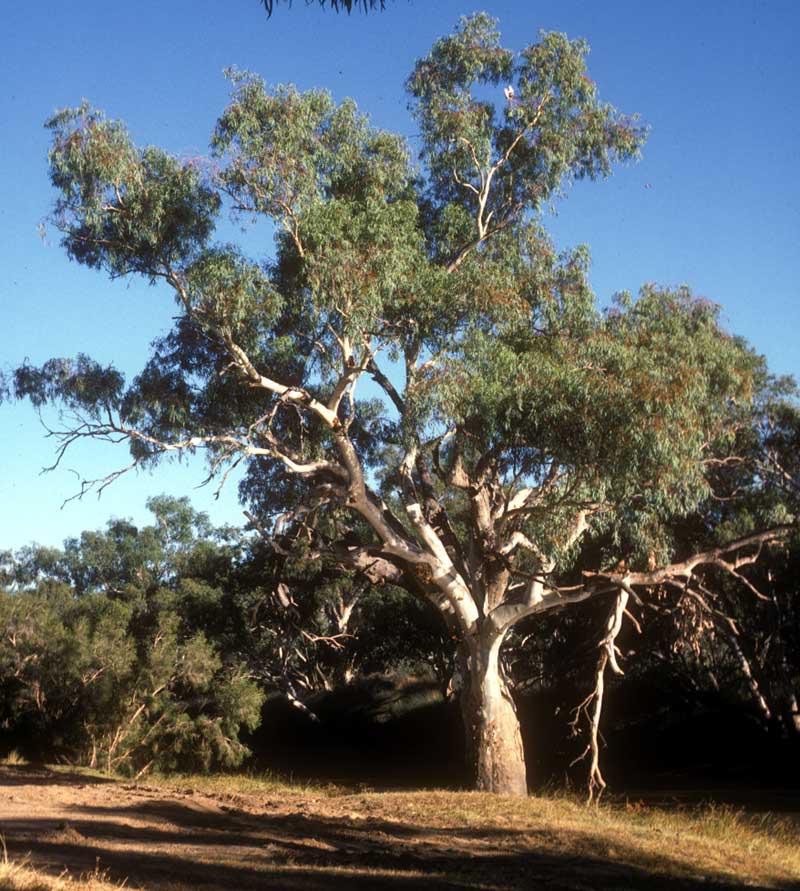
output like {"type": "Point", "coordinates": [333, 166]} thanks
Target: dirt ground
{"type": "Point", "coordinates": [172, 838]}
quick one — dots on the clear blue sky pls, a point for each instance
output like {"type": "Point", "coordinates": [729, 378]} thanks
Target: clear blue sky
{"type": "Point", "coordinates": [714, 202]}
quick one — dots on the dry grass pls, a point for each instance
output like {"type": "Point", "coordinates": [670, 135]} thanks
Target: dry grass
{"type": "Point", "coordinates": [254, 783]}
{"type": "Point", "coordinates": [21, 876]}
{"type": "Point", "coordinates": [13, 759]}
{"type": "Point", "coordinates": [714, 841]}
{"type": "Point", "coordinates": [263, 831]}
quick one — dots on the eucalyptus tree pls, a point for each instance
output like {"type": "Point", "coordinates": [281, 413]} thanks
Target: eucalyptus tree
{"type": "Point", "coordinates": [418, 385]}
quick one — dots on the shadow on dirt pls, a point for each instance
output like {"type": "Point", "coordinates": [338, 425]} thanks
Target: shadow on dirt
{"type": "Point", "coordinates": [168, 843]}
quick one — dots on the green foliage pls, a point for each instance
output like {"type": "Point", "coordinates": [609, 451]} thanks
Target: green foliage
{"type": "Point", "coordinates": [745, 651]}
{"type": "Point", "coordinates": [287, 152]}
{"type": "Point", "coordinates": [120, 208]}
{"type": "Point", "coordinates": [105, 653]}
{"type": "Point", "coordinates": [552, 130]}
{"type": "Point", "coordinates": [449, 267]}
{"type": "Point", "coordinates": [359, 257]}
{"type": "Point", "coordinates": [227, 293]}
{"type": "Point", "coordinates": [448, 274]}
{"type": "Point", "coordinates": [154, 647]}
{"type": "Point", "coordinates": [79, 384]}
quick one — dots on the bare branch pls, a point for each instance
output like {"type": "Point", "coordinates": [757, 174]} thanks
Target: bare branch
{"type": "Point", "coordinates": [594, 701]}
{"type": "Point", "coordinates": [714, 557]}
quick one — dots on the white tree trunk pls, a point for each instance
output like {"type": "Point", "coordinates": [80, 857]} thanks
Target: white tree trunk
{"type": "Point", "coordinates": [493, 738]}
{"type": "Point", "coordinates": [794, 713]}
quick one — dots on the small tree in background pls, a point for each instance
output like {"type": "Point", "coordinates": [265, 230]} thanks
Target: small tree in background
{"type": "Point", "coordinates": [106, 653]}
{"type": "Point", "coordinates": [419, 386]}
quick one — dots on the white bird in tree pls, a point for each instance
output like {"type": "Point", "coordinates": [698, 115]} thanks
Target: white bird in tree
{"type": "Point", "coordinates": [509, 94]}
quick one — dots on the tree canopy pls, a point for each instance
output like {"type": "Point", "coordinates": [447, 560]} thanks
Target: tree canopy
{"type": "Point", "coordinates": [419, 384]}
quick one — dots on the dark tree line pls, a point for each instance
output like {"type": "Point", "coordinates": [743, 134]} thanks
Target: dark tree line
{"type": "Point", "coordinates": [154, 647]}
{"type": "Point", "coordinates": [135, 648]}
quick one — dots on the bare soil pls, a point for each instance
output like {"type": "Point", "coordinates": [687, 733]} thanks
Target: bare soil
{"type": "Point", "coordinates": [171, 838]}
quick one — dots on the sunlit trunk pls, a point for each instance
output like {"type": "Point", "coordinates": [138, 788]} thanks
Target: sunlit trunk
{"type": "Point", "coordinates": [793, 717]}
{"type": "Point", "coordinates": [493, 738]}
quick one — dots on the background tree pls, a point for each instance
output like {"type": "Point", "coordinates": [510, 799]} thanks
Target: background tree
{"type": "Point", "coordinates": [154, 646]}
{"type": "Point", "coordinates": [304, 626]}
{"type": "Point", "coordinates": [114, 652]}
{"type": "Point", "coordinates": [505, 423]}
{"type": "Point", "coordinates": [717, 644]}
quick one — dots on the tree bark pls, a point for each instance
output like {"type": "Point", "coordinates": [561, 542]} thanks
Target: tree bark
{"type": "Point", "coordinates": [493, 737]}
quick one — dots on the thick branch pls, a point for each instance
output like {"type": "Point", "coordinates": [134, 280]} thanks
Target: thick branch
{"type": "Point", "coordinates": [297, 395]}
{"type": "Point", "coordinates": [598, 583]}
{"type": "Point", "coordinates": [714, 557]}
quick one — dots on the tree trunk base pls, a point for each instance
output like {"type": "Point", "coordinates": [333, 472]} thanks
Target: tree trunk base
{"type": "Point", "coordinates": [493, 737]}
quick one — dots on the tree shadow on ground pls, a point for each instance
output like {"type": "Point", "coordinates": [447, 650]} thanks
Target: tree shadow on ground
{"type": "Point", "coordinates": [161, 844]}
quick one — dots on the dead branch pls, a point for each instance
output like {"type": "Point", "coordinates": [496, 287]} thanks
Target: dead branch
{"type": "Point", "coordinates": [592, 707]}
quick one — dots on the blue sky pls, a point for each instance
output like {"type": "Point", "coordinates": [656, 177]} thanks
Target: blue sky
{"type": "Point", "coordinates": [715, 201]}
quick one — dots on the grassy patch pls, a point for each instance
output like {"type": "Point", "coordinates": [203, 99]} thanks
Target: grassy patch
{"type": "Point", "coordinates": [21, 876]}
{"type": "Point", "coordinates": [13, 759]}
{"type": "Point", "coordinates": [710, 841]}
{"type": "Point", "coordinates": [264, 831]}
{"type": "Point", "coordinates": [255, 783]}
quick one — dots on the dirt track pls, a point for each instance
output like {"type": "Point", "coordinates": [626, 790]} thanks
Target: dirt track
{"type": "Point", "coordinates": [172, 839]}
